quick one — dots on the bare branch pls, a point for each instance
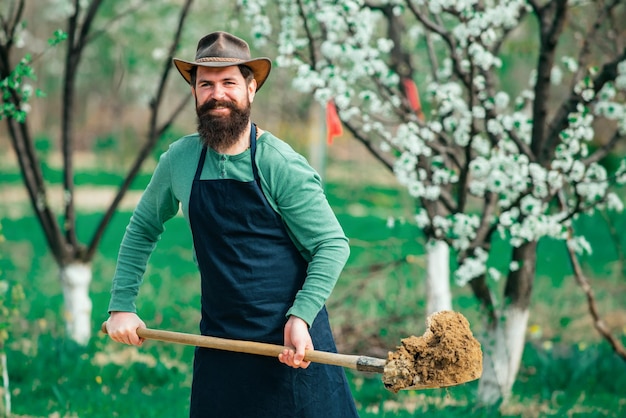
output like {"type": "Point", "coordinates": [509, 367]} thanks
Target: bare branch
{"type": "Point", "coordinates": [154, 133]}
{"type": "Point", "coordinates": [386, 161]}
{"type": "Point", "coordinates": [30, 167]}
{"type": "Point", "coordinates": [85, 27]}
{"type": "Point", "coordinates": [23, 144]}
{"type": "Point", "coordinates": [592, 306]}
{"type": "Point", "coordinates": [76, 32]}
{"type": "Point", "coordinates": [11, 26]}
{"type": "Point", "coordinates": [89, 38]}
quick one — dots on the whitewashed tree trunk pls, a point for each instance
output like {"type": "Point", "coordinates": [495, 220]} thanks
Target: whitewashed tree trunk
{"type": "Point", "coordinates": [438, 296]}
{"type": "Point", "coordinates": [75, 279]}
{"type": "Point", "coordinates": [503, 347]}
{"type": "Point", "coordinates": [5, 385]}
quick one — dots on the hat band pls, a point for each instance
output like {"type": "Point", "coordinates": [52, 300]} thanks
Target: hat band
{"type": "Point", "coordinates": [218, 59]}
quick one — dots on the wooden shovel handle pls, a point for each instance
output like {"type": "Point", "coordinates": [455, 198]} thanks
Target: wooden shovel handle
{"type": "Point", "coordinates": [360, 363]}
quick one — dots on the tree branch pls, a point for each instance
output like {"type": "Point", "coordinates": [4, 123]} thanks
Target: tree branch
{"type": "Point", "coordinates": [89, 38]}
{"type": "Point", "coordinates": [483, 294]}
{"type": "Point", "coordinates": [369, 145]}
{"type": "Point", "coordinates": [551, 22]}
{"type": "Point", "coordinates": [605, 149]}
{"type": "Point", "coordinates": [609, 72]}
{"type": "Point", "coordinates": [309, 35]}
{"type": "Point", "coordinates": [33, 180]}
{"type": "Point", "coordinates": [592, 306]}
{"type": "Point", "coordinates": [23, 145]}
{"type": "Point", "coordinates": [154, 133]}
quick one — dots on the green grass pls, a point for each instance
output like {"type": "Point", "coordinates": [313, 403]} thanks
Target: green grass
{"type": "Point", "coordinates": [54, 175]}
{"type": "Point", "coordinates": [566, 371]}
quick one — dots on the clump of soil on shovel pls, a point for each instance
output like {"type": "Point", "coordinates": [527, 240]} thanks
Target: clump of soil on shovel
{"type": "Point", "coordinates": [446, 355]}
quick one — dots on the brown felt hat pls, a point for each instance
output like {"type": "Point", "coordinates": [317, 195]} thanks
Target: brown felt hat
{"type": "Point", "coordinates": [221, 49]}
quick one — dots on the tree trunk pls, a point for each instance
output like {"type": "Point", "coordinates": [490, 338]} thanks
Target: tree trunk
{"type": "Point", "coordinates": [75, 279]}
{"type": "Point", "coordinates": [438, 296]}
{"type": "Point", "coordinates": [503, 346]}
{"type": "Point", "coordinates": [503, 343]}
{"type": "Point", "coordinates": [6, 412]}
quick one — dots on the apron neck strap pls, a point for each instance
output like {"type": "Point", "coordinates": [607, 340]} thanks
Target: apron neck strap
{"type": "Point", "coordinates": [255, 170]}
{"type": "Point", "coordinates": [200, 163]}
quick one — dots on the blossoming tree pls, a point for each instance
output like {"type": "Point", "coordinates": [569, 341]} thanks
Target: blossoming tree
{"type": "Point", "coordinates": [85, 23]}
{"type": "Point", "coordinates": [483, 160]}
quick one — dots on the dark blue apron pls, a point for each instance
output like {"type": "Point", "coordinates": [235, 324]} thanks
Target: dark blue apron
{"type": "Point", "coordinates": [251, 271]}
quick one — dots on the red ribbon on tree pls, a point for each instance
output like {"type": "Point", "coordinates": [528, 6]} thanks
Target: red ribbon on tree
{"type": "Point", "coordinates": [412, 94]}
{"type": "Point", "coordinates": [333, 123]}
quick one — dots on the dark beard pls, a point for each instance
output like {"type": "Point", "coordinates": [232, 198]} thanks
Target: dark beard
{"type": "Point", "coordinates": [222, 132]}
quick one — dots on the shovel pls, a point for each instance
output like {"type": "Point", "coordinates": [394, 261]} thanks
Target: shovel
{"type": "Point", "coordinates": [401, 371]}
{"type": "Point", "coordinates": [360, 363]}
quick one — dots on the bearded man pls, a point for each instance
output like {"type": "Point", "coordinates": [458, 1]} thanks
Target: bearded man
{"type": "Point", "coordinates": [268, 247]}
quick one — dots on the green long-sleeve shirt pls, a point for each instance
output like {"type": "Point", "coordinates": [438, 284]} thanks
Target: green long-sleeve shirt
{"type": "Point", "coordinates": [289, 183]}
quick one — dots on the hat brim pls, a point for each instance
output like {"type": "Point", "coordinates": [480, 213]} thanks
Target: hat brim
{"type": "Point", "coordinates": [260, 67]}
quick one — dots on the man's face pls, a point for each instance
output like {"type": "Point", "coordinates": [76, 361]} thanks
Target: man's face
{"type": "Point", "coordinates": [223, 100]}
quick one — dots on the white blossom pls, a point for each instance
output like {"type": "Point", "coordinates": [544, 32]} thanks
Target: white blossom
{"type": "Point", "coordinates": [620, 173]}
{"type": "Point", "coordinates": [556, 76]}
{"type": "Point", "coordinates": [472, 267]}
{"type": "Point", "coordinates": [421, 218]}
{"type": "Point", "coordinates": [494, 274]}
{"type": "Point", "coordinates": [530, 205]}
{"type": "Point", "coordinates": [501, 100]}
{"type": "Point", "coordinates": [509, 217]}
{"type": "Point", "coordinates": [570, 63]}
{"type": "Point", "coordinates": [580, 245]}
{"type": "Point", "coordinates": [481, 145]}
{"type": "Point", "coordinates": [478, 112]}
{"type": "Point", "coordinates": [614, 202]}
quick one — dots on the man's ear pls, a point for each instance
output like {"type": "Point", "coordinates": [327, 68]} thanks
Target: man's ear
{"type": "Point", "coordinates": [252, 90]}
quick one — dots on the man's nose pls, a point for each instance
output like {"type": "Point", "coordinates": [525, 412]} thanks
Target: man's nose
{"type": "Point", "coordinates": [218, 92]}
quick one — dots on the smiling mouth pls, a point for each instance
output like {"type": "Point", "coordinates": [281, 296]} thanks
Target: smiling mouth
{"type": "Point", "coordinates": [216, 108]}
{"type": "Point", "coordinates": [219, 110]}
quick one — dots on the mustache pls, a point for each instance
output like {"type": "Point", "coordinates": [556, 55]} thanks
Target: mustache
{"type": "Point", "coordinates": [213, 104]}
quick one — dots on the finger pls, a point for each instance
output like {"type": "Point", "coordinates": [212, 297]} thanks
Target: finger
{"type": "Point", "coordinates": [133, 339]}
{"type": "Point", "coordinates": [299, 356]}
{"type": "Point", "coordinates": [285, 357]}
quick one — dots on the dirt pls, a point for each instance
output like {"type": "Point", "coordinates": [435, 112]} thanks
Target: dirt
{"type": "Point", "coordinates": [446, 355]}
